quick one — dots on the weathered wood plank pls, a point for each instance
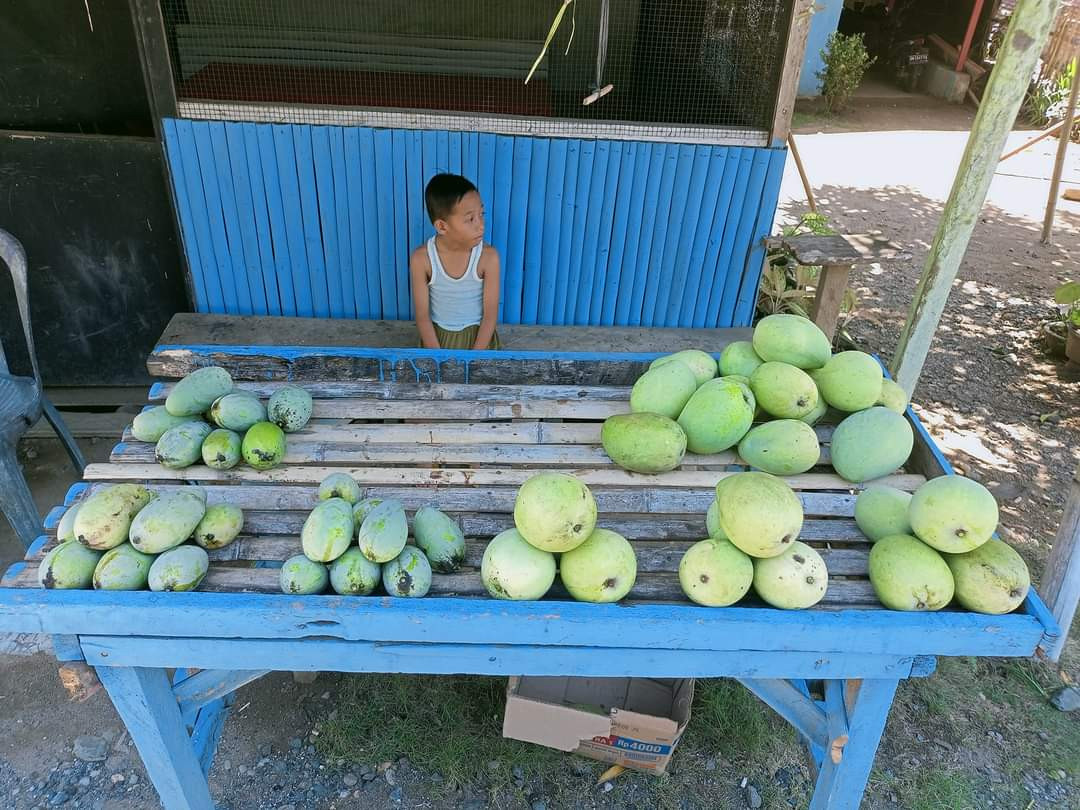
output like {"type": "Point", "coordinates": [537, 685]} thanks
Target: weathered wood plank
{"type": "Point", "coordinates": [1061, 580]}
{"type": "Point", "coordinates": [843, 249]}
{"type": "Point", "coordinates": [298, 451]}
{"type": "Point", "coordinates": [497, 499]}
{"type": "Point", "coordinates": [384, 390]}
{"type": "Point", "coordinates": [794, 50]}
{"type": "Point", "coordinates": [420, 477]}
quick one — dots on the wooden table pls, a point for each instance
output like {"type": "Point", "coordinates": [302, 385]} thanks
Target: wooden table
{"type": "Point", "coordinates": [830, 671]}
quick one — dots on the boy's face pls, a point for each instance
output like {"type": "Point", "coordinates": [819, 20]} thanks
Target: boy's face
{"type": "Point", "coordinates": [465, 224]}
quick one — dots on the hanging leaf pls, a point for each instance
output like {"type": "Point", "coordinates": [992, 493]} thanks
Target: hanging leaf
{"type": "Point", "coordinates": [550, 36]}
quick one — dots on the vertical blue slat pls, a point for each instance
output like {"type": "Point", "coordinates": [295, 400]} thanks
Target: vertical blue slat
{"type": "Point", "coordinates": [442, 149]}
{"type": "Point", "coordinates": [536, 232]}
{"type": "Point", "coordinates": [430, 157]}
{"type": "Point", "coordinates": [751, 272]}
{"type": "Point", "coordinates": [344, 271]}
{"type": "Point", "coordinates": [400, 247]}
{"type": "Point", "coordinates": [668, 220]}
{"type": "Point", "coordinates": [709, 221]}
{"type": "Point", "coordinates": [309, 207]}
{"type": "Point", "coordinates": [632, 266]}
{"type": "Point", "coordinates": [485, 180]}
{"type": "Point", "coordinates": [258, 178]}
{"type": "Point", "coordinates": [513, 265]}
{"type": "Point", "coordinates": [598, 283]}
{"type": "Point", "coordinates": [176, 133]}
{"type": "Point", "coordinates": [212, 212]}
{"type": "Point", "coordinates": [373, 216]}
{"type": "Point", "coordinates": [643, 275]}
{"type": "Point", "coordinates": [455, 160]}
{"type": "Point", "coordinates": [357, 223]}
{"type": "Point", "coordinates": [275, 215]}
{"type": "Point", "coordinates": [747, 218]}
{"type": "Point", "coordinates": [293, 218]}
{"type": "Point", "coordinates": [498, 205]}
{"type": "Point", "coordinates": [566, 230]}
{"type": "Point", "coordinates": [620, 214]}
{"type": "Point", "coordinates": [591, 236]}
{"type": "Point", "coordinates": [733, 159]}
{"type": "Point", "coordinates": [384, 178]}
{"type": "Point", "coordinates": [327, 217]}
{"type": "Point", "coordinates": [245, 210]}
{"type": "Point", "coordinates": [692, 205]}
{"type": "Point", "coordinates": [550, 250]}
{"type": "Point", "coordinates": [414, 192]}
{"type": "Point", "coordinates": [579, 231]}
{"type": "Point", "coordinates": [718, 281]}
{"type": "Point", "coordinates": [230, 216]}
{"type": "Point", "coordinates": [666, 278]}
{"type": "Point", "coordinates": [470, 156]}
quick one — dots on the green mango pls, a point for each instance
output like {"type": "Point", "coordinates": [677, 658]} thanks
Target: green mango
{"type": "Point", "coordinates": [221, 449]}
{"type": "Point", "coordinates": [65, 529]}
{"type": "Point", "coordinates": [179, 569]}
{"type": "Point", "coordinates": [850, 381]}
{"type": "Point", "coordinates": [893, 396]}
{"type": "Point", "coordinates": [197, 391]}
{"type": "Point", "coordinates": [870, 444]}
{"type": "Point", "coordinates": [791, 339]}
{"type": "Point", "coordinates": [739, 359]}
{"type": "Point", "coordinates": [712, 521]}
{"type": "Point", "coordinates": [715, 573]}
{"type": "Point", "coordinates": [701, 363]}
{"type": "Point", "coordinates": [909, 575]}
{"type": "Point", "coordinates": [104, 518]}
{"type": "Point", "coordinates": [717, 416]}
{"type": "Point", "coordinates": [992, 578]}
{"type": "Point", "coordinates": [440, 538]}
{"type": "Point", "coordinates": [69, 566]}
{"type": "Point", "coordinates": [263, 446]}
{"type": "Point", "coordinates": [168, 520]}
{"type": "Point", "coordinates": [513, 569]}
{"type": "Point", "coordinates": [664, 390]}
{"type": "Point", "coordinates": [759, 513]}
{"type": "Point", "coordinates": [339, 485]}
{"type": "Point", "coordinates": [303, 576]}
{"type": "Point", "coordinates": [237, 411]}
{"type": "Point", "coordinates": [782, 447]}
{"type": "Point", "coordinates": [219, 526]}
{"type": "Point", "coordinates": [181, 446]}
{"type": "Point", "coordinates": [122, 569]}
{"type": "Point", "coordinates": [408, 574]}
{"type": "Point", "coordinates": [643, 442]}
{"type": "Point", "coordinates": [353, 574]}
{"type": "Point", "coordinates": [794, 580]}
{"type": "Point", "coordinates": [361, 509]}
{"type": "Point", "coordinates": [289, 408]}
{"type": "Point", "coordinates": [602, 569]}
{"type": "Point", "coordinates": [881, 511]}
{"type": "Point", "coordinates": [554, 511]}
{"type": "Point", "coordinates": [151, 424]}
{"type": "Point", "coordinates": [328, 530]}
{"type": "Point", "coordinates": [783, 390]}
{"type": "Point", "coordinates": [952, 513]}
{"type": "Point", "coordinates": [383, 532]}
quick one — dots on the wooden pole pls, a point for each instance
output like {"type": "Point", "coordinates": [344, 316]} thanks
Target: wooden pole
{"type": "Point", "coordinates": [1005, 91]}
{"type": "Point", "coordinates": [1060, 585]}
{"type": "Point", "coordinates": [1059, 161]}
{"type": "Point", "coordinates": [965, 49]}
{"type": "Point", "coordinates": [802, 173]}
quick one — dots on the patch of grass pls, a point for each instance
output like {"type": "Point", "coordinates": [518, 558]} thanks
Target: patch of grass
{"type": "Point", "coordinates": [939, 789]}
{"type": "Point", "coordinates": [726, 717]}
{"type": "Point", "coordinates": [452, 725]}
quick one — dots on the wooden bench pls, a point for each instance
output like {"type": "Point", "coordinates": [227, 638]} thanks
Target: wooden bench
{"type": "Point", "coordinates": [830, 671]}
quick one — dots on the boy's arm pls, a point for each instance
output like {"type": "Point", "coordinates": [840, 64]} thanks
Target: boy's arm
{"type": "Point", "coordinates": [491, 299]}
{"type": "Point", "coordinates": [418, 273]}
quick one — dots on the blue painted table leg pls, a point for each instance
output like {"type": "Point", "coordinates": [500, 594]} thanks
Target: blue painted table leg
{"type": "Point", "coordinates": [840, 785]}
{"type": "Point", "coordinates": [146, 703]}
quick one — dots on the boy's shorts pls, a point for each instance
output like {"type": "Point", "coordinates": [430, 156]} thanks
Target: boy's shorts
{"type": "Point", "coordinates": [462, 339]}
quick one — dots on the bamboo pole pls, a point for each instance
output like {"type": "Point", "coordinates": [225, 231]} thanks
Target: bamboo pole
{"type": "Point", "coordinates": [1005, 91]}
{"type": "Point", "coordinates": [802, 173]}
{"type": "Point", "coordinates": [1046, 133]}
{"type": "Point", "coordinates": [1062, 150]}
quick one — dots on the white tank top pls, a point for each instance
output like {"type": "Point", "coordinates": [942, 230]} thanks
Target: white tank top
{"type": "Point", "coordinates": [456, 303]}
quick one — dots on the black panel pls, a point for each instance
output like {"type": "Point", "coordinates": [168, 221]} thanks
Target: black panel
{"type": "Point", "coordinates": [71, 67]}
{"type": "Point", "coordinates": [105, 273]}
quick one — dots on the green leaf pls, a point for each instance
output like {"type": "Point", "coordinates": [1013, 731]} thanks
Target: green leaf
{"type": "Point", "coordinates": [1068, 293]}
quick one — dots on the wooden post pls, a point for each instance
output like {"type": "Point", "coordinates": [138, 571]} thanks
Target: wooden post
{"type": "Point", "coordinates": [1059, 162]}
{"type": "Point", "coordinates": [832, 284]}
{"type": "Point", "coordinates": [1005, 91]}
{"type": "Point", "coordinates": [1061, 579]}
{"type": "Point", "coordinates": [965, 49]}
{"type": "Point", "coordinates": [794, 51]}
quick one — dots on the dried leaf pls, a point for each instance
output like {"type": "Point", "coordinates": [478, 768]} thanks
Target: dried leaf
{"type": "Point", "coordinates": [550, 36]}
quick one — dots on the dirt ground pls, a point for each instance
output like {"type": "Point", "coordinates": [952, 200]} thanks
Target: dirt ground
{"type": "Point", "coordinates": [974, 735]}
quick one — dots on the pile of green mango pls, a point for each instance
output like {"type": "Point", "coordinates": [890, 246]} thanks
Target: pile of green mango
{"type": "Point", "coordinates": [125, 538]}
{"type": "Point", "coordinates": [205, 418]}
{"type": "Point", "coordinates": [353, 544]}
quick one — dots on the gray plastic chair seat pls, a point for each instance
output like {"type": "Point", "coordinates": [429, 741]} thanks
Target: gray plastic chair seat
{"type": "Point", "coordinates": [22, 404]}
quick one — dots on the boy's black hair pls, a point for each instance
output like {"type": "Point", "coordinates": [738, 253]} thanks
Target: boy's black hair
{"type": "Point", "coordinates": [443, 192]}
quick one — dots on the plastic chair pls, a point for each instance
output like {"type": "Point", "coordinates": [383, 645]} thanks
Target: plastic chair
{"type": "Point", "coordinates": [22, 402]}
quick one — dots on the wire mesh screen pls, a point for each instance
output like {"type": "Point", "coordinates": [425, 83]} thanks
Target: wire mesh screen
{"type": "Point", "coordinates": [699, 69]}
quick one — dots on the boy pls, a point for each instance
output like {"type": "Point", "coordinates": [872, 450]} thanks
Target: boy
{"type": "Point", "coordinates": [455, 276]}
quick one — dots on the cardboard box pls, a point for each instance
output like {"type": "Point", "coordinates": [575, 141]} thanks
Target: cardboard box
{"type": "Point", "coordinates": [633, 722]}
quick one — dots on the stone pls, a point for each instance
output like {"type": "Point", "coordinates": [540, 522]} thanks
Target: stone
{"type": "Point", "coordinates": [265, 750]}
{"type": "Point", "coordinates": [518, 772]}
{"type": "Point", "coordinates": [436, 778]}
{"type": "Point", "coordinates": [295, 743]}
{"type": "Point", "coordinates": [59, 798]}
{"type": "Point", "coordinates": [133, 779]}
{"type": "Point", "coordinates": [390, 777]}
{"type": "Point", "coordinates": [538, 805]}
{"type": "Point", "coordinates": [753, 798]}
{"type": "Point", "coordinates": [85, 781]}
{"type": "Point", "coordinates": [1044, 736]}
{"type": "Point", "coordinates": [1066, 699]}
{"type": "Point", "coordinates": [91, 749]}
{"type": "Point", "coordinates": [116, 778]}
{"type": "Point", "coordinates": [395, 795]}
{"type": "Point", "coordinates": [710, 764]}
{"type": "Point", "coordinates": [608, 787]}
{"type": "Point", "coordinates": [368, 775]}
{"type": "Point", "coordinates": [350, 779]}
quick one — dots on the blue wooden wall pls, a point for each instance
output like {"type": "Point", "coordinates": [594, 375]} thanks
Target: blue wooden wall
{"type": "Point", "coordinates": [292, 219]}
